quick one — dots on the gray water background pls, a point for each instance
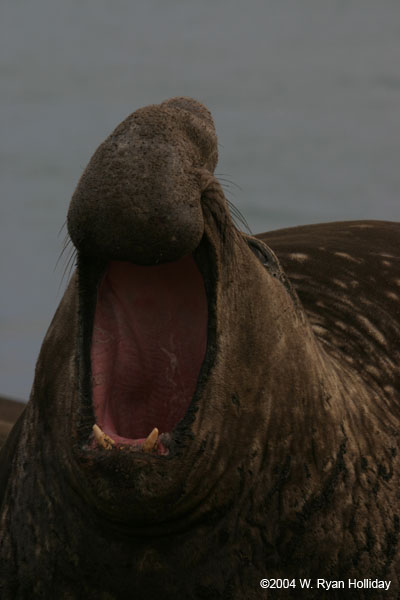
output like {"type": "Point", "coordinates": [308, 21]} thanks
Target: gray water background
{"type": "Point", "coordinates": [305, 95]}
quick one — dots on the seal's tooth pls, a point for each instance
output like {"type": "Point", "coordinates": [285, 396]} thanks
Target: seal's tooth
{"type": "Point", "coordinates": [103, 439]}
{"type": "Point", "coordinates": [150, 442]}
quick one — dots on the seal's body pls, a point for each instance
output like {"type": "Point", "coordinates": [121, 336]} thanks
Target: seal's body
{"type": "Point", "coordinates": [203, 414]}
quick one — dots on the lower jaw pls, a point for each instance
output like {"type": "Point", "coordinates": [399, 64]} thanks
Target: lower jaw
{"type": "Point", "coordinates": [154, 443]}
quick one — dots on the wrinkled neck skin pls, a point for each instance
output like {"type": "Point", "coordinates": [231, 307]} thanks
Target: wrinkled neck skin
{"type": "Point", "coordinates": [269, 412]}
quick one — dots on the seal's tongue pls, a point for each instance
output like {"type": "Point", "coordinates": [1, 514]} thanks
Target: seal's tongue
{"type": "Point", "coordinates": [148, 344]}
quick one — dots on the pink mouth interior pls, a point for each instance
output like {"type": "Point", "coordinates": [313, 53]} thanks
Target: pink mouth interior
{"type": "Point", "coordinates": [148, 344]}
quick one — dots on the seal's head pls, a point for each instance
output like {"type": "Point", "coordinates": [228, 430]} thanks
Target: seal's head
{"type": "Point", "coordinates": [139, 197]}
{"type": "Point", "coordinates": [160, 356]}
{"type": "Point", "coordinates": [146, 325]}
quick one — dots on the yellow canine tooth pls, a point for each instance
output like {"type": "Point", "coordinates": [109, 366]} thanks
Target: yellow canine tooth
{"type": "Point", "coordinates": [150, 443]}
{"type": "Point", "coordinates": [102, 438]}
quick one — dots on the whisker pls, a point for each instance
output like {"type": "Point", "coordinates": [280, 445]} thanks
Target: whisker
{"type": "Point", "coordinates": [67, 241]}
{"type": "Point", "coordinates": [62, 227]}
{"type": "Point", "coordinates": [227, 190]}
{"type": "Point", "coordinates": [69, 265]}
{"type": "Point", "coordinates": [222, 177]}
{"type": "Point", "coordinates": [238, 217]}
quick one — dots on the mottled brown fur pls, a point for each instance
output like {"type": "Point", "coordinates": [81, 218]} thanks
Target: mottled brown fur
{"type": "Point", "coordinates": [287, 462]}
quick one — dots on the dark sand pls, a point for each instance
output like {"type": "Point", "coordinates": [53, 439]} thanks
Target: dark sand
{"type": "Point", "coordinates": [9, 413]}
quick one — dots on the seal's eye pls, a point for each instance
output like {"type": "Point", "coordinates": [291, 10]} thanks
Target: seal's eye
{"type": "Point", "coordinates": [148, 344]}
{"type": "Point", "coordinates": [259, 251]}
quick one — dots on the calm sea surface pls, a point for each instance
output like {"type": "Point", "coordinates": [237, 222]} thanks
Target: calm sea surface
{"type": "Point", "coordinates": [305, 96]}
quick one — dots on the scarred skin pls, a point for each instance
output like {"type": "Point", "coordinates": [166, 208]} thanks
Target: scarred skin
{"type": "Point", "coordinates": [287, 462]}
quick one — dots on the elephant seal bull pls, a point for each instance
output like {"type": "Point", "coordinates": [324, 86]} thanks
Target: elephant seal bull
{"type": "Point", "coordinates": [205, 416]}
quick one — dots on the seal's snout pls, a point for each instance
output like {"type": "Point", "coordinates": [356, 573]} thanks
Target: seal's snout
{"type": "Point", "coordinates": [139, 198]}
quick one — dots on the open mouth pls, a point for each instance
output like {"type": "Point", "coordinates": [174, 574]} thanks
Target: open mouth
{"type": "Point", "coordinates": [147, 345]}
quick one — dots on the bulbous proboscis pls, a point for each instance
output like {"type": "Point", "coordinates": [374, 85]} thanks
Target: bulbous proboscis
{"type": "Point", "coordinates": [139, 197]}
